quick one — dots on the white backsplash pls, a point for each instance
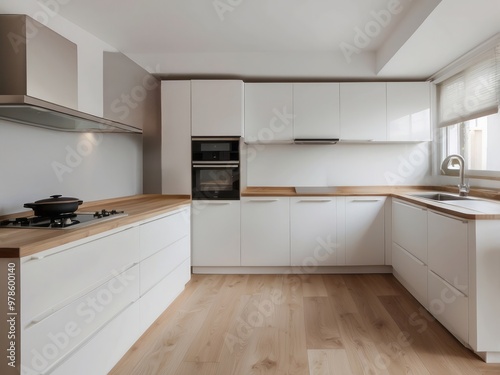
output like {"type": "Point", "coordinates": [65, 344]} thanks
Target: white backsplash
{"type": "Point", "coordinates": [36, 163]}
{"type": "Point", "coordinates": [338, 165]}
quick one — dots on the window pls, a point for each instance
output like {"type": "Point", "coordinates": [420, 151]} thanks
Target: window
{"type": "Point", "coordinates": [468, 119]}
{"type": "Point", "coordinates": [476, 140]}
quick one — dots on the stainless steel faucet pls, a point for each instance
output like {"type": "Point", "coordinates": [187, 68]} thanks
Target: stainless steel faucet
{"type": "Point", "coordinates": [449, 164]}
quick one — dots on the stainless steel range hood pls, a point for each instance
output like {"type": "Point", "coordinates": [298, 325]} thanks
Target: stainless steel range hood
{"type": "Point", "coordinates": [39, 79]}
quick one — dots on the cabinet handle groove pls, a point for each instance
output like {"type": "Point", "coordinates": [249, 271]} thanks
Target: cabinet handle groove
{"type": "Point", "coordinates": [365, 200]}
{"type": "Point", "coordinates": [263, 200]}
{"type": "Point", "coordinates": [315, 200]}
{"type": "Point", "coordinates": [66, 356]}
{"type": "Point", "coordinates": [453, 289]}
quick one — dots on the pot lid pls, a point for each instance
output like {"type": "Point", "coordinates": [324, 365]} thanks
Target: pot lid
{"type": "Point", "coordinates": [57, 199]}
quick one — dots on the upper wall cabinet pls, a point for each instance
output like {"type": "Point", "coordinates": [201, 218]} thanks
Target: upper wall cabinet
{"type": "Point", "coordinates": [269, 113]}
{"type": "Point", "coordinates": [363, 111]}
{"type": "Point", "coordinates": [408, 111]}
{"type": "Point", "coordinates": [217, 107]}
{"type": "Point", "coordinates": [316, 108]}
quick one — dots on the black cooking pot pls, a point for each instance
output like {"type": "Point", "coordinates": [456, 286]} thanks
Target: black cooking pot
{"type": "Point", "coordinates": [54, 206]}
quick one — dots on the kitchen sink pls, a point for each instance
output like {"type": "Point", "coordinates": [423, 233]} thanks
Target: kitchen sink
{"type": "Point", "coordinates": [441, 197]}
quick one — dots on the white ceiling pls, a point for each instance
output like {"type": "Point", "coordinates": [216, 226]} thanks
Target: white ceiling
{"type": "Point", "coordinates": [289, 38]}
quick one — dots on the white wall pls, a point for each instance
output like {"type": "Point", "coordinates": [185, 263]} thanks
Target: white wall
{"type": "Point", "coordinates": [90, 166]}
{"type": "Point", "coordinates": [110, 167]}
{"type": "Point", "coordinates": [338, 165]}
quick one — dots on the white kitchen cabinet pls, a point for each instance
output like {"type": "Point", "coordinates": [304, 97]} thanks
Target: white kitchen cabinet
{"type": "Point", "coordinates": [408, 111]}
{"type": "Point", "coordinates": [411, 272]}
{"type": "Point", "coordinates": [316, 109]}
{"type": "Point", "coordinates": [268, 113]}
{"type": "Point", "coordinates": [409, 228]}
{"type": "Point", "coordinates": [217, 108]}
{"type": "Point", "coordinates": [216, 233]}
{"type": "Point", "coordinates": [450, 306]}
{"type": "Point", "coordinates": [363, 114]}
{"type": "Point", "coordinates": [176, 137]}
{"type": "Point", "coordinates": [265, 231]}
{"type": "Point", "coordinates": [365, 230]}
{"type": "Point", "coordinates": [99, 296]}
{"type": "Point", "coordinates": [448, 254]}
{"type": "Point", "coordinates": [313, 231]}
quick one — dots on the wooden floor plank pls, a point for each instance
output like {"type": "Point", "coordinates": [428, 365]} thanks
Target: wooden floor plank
{"type": "Point", "coordinates": [328, 362]}
{"type": "Point", "coordinates": [210, 338]}
{"type": "Point", "coordinates": [198, 368]}
{"type": "Point", "coordinates": [322, 330]}
{"type": "Point", "coordinates": [396, 353]}
{"type": "Point", "coordinates": [313, 286]}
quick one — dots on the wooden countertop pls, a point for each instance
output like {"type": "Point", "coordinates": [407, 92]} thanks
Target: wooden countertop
{"type": "Point", "coordinates": [401, 192]}
{"type": "Point", "coordinates": [16, 242]}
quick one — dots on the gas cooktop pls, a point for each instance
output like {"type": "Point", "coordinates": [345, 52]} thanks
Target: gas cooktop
{"type": "Point", "coordinates": [63, 221]}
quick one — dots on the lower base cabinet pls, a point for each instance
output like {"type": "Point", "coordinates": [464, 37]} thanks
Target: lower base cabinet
{"type": "Point", "coordinates": [87, 329]}
{"type": "Point", "coordinates": [365, 235]}
{"type": "Point", "coordinates": [265, 231]}
{"type": "Point", "coordinates": [216, 233]}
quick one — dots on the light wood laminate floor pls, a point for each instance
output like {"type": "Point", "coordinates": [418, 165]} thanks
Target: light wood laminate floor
{"type": "Point", "coordinates": [298, 324]}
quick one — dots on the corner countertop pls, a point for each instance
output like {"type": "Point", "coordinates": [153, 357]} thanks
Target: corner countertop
{"type": "Point", "coordinates": [401, 192]}
{"type": "Point", "coordinates": [15, 242]}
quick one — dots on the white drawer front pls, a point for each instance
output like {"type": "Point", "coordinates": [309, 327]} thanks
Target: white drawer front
{"type": "Point", "coordinates": [411, 272]}
{"type": "Point", "coordinates": [156, 300]}
{"type": "Point", "coordinates": [104, 350]}
{"type": "Point", "coordinates": [51, 282]}
{"type": "Point", "coordinates": [46, 342]}
{"type": "Point", "coordinates": [409, 229]}
{"type": "Point", "coordinates": [448, 250]}
{"type": "Point", "coordinates": [158, 234]}
{"type": "Point", "coordinates": [160, 264]}
{"type": "Point", "coordinates": [449, 306]}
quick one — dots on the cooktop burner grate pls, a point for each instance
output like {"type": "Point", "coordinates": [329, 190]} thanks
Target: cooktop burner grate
{"type": "Point", "coordinates": [63, 221]}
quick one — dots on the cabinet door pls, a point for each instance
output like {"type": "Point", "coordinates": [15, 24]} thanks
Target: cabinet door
{"type": "Point", "coordinates": [450, 306]}
{"type": "Point", "coordinates": [411, 272]}
{"type": "Point", "coordinates": [265, 232]}
{"type": "Point", "coordinates": [216, 233]}
{"type": "Point", "coordinates": [365, 243]}
{"type": "Point", "coordinates": [316, 109]}
{"type": "Point", "coordinates": [313, 231]}
{"type": "Point", "coordinates": [409, 228]}
{"type": "Point", "coordinates": [176, 137]}
{"type": "Point", "coordinates": [217, 108]}
{"type": "Point", "coordinates": [408, 111]}
{"type": "Point", "coordinates": [363, 111]}
{"type": "Point", "coordinates": [448, 255]}
{"type": "Point", "coordinates": [268, 113]}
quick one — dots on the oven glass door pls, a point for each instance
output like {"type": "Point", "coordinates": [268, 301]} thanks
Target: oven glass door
{"type": "Point", "coordinates": [213, 181]}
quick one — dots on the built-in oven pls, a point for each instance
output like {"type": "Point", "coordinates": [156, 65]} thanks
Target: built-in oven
{"type": "Point", "coordinates": [215, 168]}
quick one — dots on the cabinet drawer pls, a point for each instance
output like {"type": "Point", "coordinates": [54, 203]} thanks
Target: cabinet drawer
{"type": "Point", "coordinates": [411, 272]}
{"type": "Point", "coordinates": [158, 234]}
{"type": "Point", "coordinates": [104, 350]}
{"type": "Point", "coordinates": [449, 306]}
{"type": "Point", "coordinates": [448, 255]}
{"type": "Point", "coordinates": [51, 282]}
{"type": "Point", "coordinates": [47, 341]}
{"type": "Point", "coordinates": [409, 229]}
{"type": "Point", "coordinates": [156, 300]}
{"type": "Point", "coordinates": [160, 264]}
